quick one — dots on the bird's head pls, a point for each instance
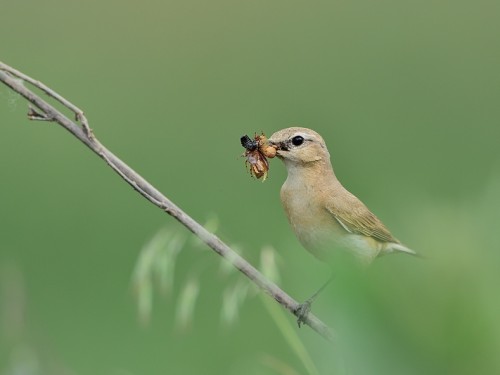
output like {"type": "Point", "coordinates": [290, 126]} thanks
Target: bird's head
{"type": "Point", "coordinates": [298, 146]}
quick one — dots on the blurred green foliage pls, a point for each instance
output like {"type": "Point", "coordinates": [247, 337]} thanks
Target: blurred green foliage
{"type": "Point", "coordinates": [406, 95]}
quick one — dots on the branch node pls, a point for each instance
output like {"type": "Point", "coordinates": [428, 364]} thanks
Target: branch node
{"type": "Point", "coordinates": [79, 116]}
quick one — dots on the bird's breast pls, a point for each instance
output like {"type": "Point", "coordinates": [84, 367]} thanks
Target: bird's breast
{"type": "Point", "coordinates": [310, 221]}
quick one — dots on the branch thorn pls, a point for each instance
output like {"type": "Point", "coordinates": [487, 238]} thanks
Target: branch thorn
{"type": "Point", "coordinates": [34, 115]}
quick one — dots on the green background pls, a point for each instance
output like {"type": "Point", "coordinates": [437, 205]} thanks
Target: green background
{"type": "Point", "coordinates": [406, 95]}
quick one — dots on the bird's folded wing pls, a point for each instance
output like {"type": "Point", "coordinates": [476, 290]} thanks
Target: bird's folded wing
{"type": "Point", "coordinates": [356, 218]}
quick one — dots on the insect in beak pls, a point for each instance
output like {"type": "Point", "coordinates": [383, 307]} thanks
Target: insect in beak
{"type": "Point", "coordinates": [257, 151]}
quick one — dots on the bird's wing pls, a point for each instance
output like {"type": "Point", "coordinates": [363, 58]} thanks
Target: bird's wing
{"type": "Point", "coordinates": [356, 218]}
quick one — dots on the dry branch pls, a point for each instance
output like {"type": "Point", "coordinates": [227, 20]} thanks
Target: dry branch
{"type": "Point", "coordinates": [42, 110]}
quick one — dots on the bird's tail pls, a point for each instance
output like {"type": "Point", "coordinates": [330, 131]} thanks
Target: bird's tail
{"type": "Point", "coordinates": [403, 249]}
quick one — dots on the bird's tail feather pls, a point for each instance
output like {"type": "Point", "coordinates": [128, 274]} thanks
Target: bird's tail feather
{"type": "Point", "coordinates": [404, 249]}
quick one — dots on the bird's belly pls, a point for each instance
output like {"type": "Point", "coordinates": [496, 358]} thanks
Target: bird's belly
{"type": "Point", "coordinates": [324, 237]}
{"type": "Point", "coordinates": [326, 246]}
{"type": "Point", "coordinates": [366, 249]}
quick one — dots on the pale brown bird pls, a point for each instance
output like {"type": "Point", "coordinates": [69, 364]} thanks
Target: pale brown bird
{"type": "Point", "coordinates": [325, 217]}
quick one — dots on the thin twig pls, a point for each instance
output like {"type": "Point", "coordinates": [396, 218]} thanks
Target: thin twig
{"type": "Point", "coordinates": [13, 79]}
{"type": "Point", "coordinates": [79, 116]}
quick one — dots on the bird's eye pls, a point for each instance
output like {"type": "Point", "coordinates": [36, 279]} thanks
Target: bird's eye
{"type": "Point", "coordinates": [297, 140]}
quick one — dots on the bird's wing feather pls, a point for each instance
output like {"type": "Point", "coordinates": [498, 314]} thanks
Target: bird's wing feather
{"type": "Point", "coordinates": [356, 218]}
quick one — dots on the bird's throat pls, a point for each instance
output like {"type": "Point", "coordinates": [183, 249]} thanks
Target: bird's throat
{"type": "Point", "coordinates": [308, 175]}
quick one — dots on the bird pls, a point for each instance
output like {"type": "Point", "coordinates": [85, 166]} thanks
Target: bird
{"type": "Point", "coordinates": [325, 217]}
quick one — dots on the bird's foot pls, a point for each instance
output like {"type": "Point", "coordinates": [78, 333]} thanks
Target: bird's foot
{"type": "Point", "coordinates": [302, 311]}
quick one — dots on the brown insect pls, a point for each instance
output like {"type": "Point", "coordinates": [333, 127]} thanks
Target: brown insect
{"type": "Point", "coordinates": [257, 150]}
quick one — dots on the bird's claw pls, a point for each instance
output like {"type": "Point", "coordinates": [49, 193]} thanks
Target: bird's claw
{"type": "Point", "coordinates": [302, 311]}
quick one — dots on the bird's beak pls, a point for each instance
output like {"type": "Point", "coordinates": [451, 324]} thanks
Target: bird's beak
{"type": "Point", "coordinates": [280, 146]}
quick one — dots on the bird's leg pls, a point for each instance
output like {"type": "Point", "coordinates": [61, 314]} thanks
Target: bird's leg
{"type": "Point", "coordinates": [303, 309]}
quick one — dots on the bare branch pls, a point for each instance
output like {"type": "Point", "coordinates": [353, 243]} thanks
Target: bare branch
{"type": "Point", "coordinates": [44, 111]}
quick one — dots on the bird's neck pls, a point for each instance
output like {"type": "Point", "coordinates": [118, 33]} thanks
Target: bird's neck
{"type": "Point", "coordinates": [308, 174]}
